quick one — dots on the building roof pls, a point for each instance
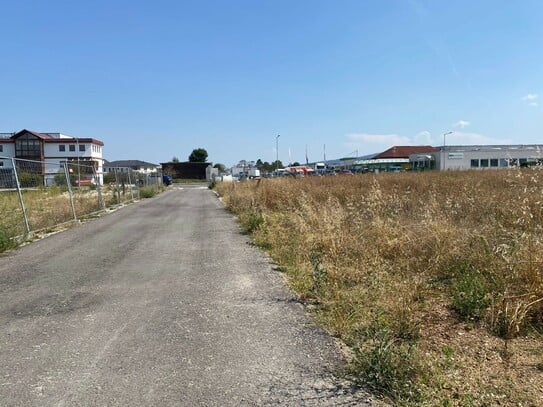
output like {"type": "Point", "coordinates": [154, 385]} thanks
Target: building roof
{"type": "Point", "coordinates": [405, 151]}
{"type": "Point", "coordinates": [50, 139]}
{"type": "Point", "coordinates": [34, 133]}
{"type": "Point", "coordinates": [129, 164]}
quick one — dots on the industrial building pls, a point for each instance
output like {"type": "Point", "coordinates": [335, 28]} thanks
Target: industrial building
{"type": "Point", "coordinates": [478, 157]}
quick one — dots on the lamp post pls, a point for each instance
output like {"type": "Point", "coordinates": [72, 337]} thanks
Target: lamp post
{"type": "Point", "coordinates": [444, 137]}
{"type": "Point", "coordinates": [277, 151]}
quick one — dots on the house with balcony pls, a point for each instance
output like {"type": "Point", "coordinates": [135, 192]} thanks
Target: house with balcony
{"type": "Point", "coordinates": [45, 154]}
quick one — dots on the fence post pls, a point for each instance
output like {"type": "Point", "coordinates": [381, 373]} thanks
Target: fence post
{"type": "Point", "coordinates": [130, 184]}
{"type": "Point", "coordinates": [21, 201]}
{"type": "Point", "coordinates": [117, 186]}
{"type": "Point", "coordinates": [69, 184]}
{"type": "Point", "coordinates": [101, 201]}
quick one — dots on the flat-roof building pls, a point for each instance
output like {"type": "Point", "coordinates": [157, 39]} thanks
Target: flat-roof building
{"type": "Point", "coordinates": [478, 157]}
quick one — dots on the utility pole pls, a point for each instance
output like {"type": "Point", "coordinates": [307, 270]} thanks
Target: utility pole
{"type": "Point", "coordinates": [277, 151]}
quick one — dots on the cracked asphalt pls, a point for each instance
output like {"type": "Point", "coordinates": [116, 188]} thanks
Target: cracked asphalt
{"type": "Point", "coordinates": [161, 303]}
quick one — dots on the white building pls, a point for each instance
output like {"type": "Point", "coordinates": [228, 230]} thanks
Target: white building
{"type": "Point", "coordinates": [47, 152]}
{"type": "Point", "coordinates": [478, 157]}
{"type": "Point", "coordinates": [142, 167]}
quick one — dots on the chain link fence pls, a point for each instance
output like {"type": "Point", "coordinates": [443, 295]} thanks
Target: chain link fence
{"type": "Point", "coordinates": [38, 195]}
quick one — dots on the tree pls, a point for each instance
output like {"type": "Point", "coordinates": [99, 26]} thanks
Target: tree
{"type": "Point", "coordinates": [259, 163]}
{"type": "Point", "coordinates": [266, 167]}
{"type": "Point", "coordinates": [220, 167]}
{"type": "Point", "coordinates": [175, 159]}
{"type": "Point", "coordinates": [295, 164]}
{"type": "Point", "coordinates": [198, 155]}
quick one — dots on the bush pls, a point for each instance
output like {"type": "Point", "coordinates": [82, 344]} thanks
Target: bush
{"type": "Point", "coordinates": [30, 180]}
{"type": "Point", "coordinates": [6, 242]}
{"type": "Point", "coordinates": [471, 295]}
{"type": "Point", "coordinates": [251, 221]}
{"type": "Point", "coordinates": [109, 178]}
{"type": "Point", "coordinates": [388, 364]}
{"type": "Point", "coordinates": [147, 192]}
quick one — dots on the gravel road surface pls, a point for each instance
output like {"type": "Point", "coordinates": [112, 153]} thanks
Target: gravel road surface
{"type": "Point", "coordinates": [161, 303]}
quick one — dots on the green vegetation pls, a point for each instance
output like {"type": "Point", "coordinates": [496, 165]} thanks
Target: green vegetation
{"type": "Point", "coordinates": [433, 279]}
{"type": "Point", "coordinates": [198, 155]}
{"type": "Point", "coordinates": [6, 241]}
{"type": "Point", "coordinates": [151, 191]}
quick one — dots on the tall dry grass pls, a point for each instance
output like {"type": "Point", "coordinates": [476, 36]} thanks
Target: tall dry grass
{"type": "Point", "coordinates": [45, 208]}
{"type": "Point", "coordinates": [48, 207]}
{"type": "Point", "coordinates": [395, 260]}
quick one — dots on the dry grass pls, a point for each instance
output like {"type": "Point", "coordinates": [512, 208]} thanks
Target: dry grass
{"type": "Point", "coordinates": [48, 207]}
{"type": "Point", "coordinates": [434, 279]}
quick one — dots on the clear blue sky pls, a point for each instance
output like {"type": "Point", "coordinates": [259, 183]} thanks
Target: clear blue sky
{"type": "Point", "coordinates": [154, 79]}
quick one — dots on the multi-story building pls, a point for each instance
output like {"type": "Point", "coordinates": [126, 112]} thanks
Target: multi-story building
{"type": "Point", "coordinates": [45, 154]}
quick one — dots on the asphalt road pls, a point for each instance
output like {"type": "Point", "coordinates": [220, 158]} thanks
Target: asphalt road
{"type": "Point", "coordinates": [161, 303]}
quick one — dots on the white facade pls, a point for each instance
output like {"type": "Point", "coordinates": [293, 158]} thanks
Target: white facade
{"type": "Point", "coordinates": [138, 166]}
{"type": "Point", "coordinates": [6, 150]}
{"type": "Point", "coordinates": [479, 157]}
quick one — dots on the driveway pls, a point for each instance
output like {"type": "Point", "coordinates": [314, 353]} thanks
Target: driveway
{"type": "Point", "coordinates": [162, 303]}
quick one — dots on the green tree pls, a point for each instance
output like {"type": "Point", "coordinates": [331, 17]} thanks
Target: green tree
{"type": "Point", "coordinates": [220, 167]}
{"type": "Point", "coordinates": [198, 155]}
{"type": "Point", "coordinates": [266, 167]}
{"type": "Point", "coordinates": [175, 159]}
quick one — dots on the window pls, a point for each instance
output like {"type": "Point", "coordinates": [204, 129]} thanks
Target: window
{"type": "Point", "coordinates": [504, 162]}
{"type": "Point", "coordinates": [484, 162]}
{"type": "Point", "coordinates": [82, 147]}
{"type": "Point", "coordinates": [493, 162]}
{"type": "Point", "coordinates": [27, 146]}
{"type": "Point", "coordinates": [475, 163]}
{"type": "Point", "coordinates": [61, 147]}
{"type": "Point", "coordinates": [72, 147]}
{"type": "Point", "coordinates": [1, 163]}
{"type": "Point", "coordinates": [1, 148]}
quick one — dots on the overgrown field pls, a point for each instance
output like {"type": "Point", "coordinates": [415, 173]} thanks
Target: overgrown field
{"type": "Point", "coordinates": [434, 280]}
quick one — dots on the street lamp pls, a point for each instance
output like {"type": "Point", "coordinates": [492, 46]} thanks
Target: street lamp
{"type": "Point", "coordinates": [445, 135]}
{"type": "Point", "coordinates": [277, 151]}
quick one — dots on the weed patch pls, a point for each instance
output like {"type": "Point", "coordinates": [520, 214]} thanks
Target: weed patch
{"type": "Point", "coordinates": [147, 192]}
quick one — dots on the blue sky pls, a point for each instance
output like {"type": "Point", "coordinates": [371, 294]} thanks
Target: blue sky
{"type": "Point", "coordinates": [156, 79]}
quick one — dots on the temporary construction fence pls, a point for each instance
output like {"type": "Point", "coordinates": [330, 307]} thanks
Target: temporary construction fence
{"type": "Point", "coordinates": [38, 195]}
